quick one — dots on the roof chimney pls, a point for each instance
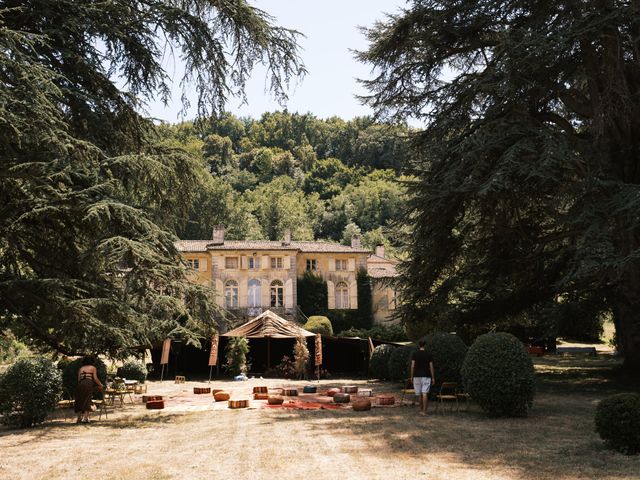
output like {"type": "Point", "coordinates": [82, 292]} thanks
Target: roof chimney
{"type": "Point", "coordinates": [355, 241]}
{"type": "Point", "coordinates": [218, 235]}
{"type": "Point", "coordinates": [287, 237]}
{"type": "Point", "coordinates": [379, 252]}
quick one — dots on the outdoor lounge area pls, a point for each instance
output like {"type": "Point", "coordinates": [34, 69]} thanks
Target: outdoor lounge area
{"type": "Point", "coordinates": [556, 441]}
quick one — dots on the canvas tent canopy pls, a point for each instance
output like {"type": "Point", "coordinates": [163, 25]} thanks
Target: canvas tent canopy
{"type": "Point", "coordinates": [269, 325]}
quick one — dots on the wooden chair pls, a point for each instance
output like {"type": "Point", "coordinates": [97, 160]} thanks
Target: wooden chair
{"type": "Point", "coordinates": [121, 387]}
{"type": "Point", "coordinates": [101, 406]}
{"type": "Point", "coordinates": [140, 388]}
{"type": "Point", "coordinates": [463, 397]}
{"type": "Point", "coordinates": [65, 405]}
{"type": "Point", "coordinates": [408, 390]}
{"type": "Point", "coordinates": [448, 393]}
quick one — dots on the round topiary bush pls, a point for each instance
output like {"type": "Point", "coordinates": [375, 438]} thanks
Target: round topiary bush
{"type": "Point", "coordinates": [498, 374]}
{"type": "Point", "coordinates": [70, 375]}
{"type": "Point", "coordinates": [379, 363]}
{"type": "Point", "coordinates": [29, 391]}
{"type": "Point", "coordinates": [133, 370]}
{"type": "Point", "coordinates": [618, 422]}
{"type": "Point", "coordinates": [448, 353]}
{"type": "Point", "coordinates": [319, 324]}
{"type": "Point", "coordinates": [400, 362]}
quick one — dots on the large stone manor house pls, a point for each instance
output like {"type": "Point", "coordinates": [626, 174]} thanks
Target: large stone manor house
{"type": "Point", "coordinates": [251, 276]}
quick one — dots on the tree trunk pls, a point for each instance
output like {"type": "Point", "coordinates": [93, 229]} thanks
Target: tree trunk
{"type": "Point", "coordinates": [627, 322]}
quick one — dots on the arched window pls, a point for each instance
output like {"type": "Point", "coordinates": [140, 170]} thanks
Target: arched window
{"type": "Point", "coordinates": [342, 296]}
{"type": "Point", "coordinates": [231, 294]}
{"type": "Point", "coordinates": [277, 294]}
{"type": "Point", "coordinates": [254, 299]}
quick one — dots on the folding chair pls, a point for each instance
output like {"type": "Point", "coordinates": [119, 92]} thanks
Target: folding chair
{"type": "Point", "coordinates": [463, 397]}
{"type": "Point", "coordinates": [65, 405]}
{"type": "Point", "coordinates": [448, 393]}
{"type": "Point", "coordinates": [101, 405]}
{"type": "Point", "coordinates": [408, 390]}
{"type": "Point", "coordinates": [121, 387]}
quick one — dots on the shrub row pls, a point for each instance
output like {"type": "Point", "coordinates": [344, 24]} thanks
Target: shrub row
{"type": "Point", "coordinates": [29, 391]}
{"type": "Point", "coordinates": [496, 371]}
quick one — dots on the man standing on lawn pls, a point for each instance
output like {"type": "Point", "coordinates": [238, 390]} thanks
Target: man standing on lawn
{"type": "Point", "coordinates": [422, 374]}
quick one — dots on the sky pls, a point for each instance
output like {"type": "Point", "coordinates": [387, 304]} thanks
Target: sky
{"type": "Point", "coordinates": [330, 86]}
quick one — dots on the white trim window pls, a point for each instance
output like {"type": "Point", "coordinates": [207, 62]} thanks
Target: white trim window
{"type": "Point", "coordinates": [277, 263]}
{"type": "Point", "coordinates": [342, 265]}
{"type": "Point", "coordinates": [193, 263]}
{"type": "Point", "coordinates": [342, 295]}
{"type": "Point", "coordinates": [231, 263]}
{"type": "Point", "coordinates": [254, 293]}
{"type": "Point", "coordinates": [277, 294]}
{"type": "Point", "coordinates": [231, 294]}
{"type": "Point", "coordinates": [254, 263]}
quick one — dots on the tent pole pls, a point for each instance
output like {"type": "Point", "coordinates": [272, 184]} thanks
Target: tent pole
{"type": "Point", "coordinates": [210, 370]}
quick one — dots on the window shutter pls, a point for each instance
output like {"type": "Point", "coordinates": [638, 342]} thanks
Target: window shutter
{"type": "Point", "coordinates": [331, 295]}
{"type": "Point", "coordinates": [203, 265]}
{"type": "Point", "coordinates": [265, 291]}
{"type": "Point", "coordinates": [243, 293]}
{"type": "Point", "coordinates": [286, 263]}
{"type": "Point", "coordinates": [219, 292]}
{"type": "Point", "coordinates": [352, 264]}
{"type": "Point", "coordinates": [332, 264]}
{"type": "Point", "coordinates": [391, 295]}
{"type": "Point", "coordinates": [265, 265]}
{"type": "Point", "coordinates": [288, 293]}
{"type": "Point", "coordinates": [244, 262]}
{"type": "Point", "coordinates": [353, 295]}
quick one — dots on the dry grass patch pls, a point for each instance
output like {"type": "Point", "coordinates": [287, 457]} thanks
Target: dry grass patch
{"type": "Point", "coordinates": [557, 441]}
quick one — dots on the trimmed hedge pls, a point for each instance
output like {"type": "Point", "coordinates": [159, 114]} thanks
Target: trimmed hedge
{"type": "Point", "coordinates": [618, 422]}
{"type": "Point", "coordinates": [498, 374]}
{"type": "Point", "coordinates": [70, 375]}
{"type": "Point", "coordinates": [29, 391]}
{"type": "Point", "coordinates": [133, 370]}
{"type": "Point", "coordinates": [400, 362]}
{"type": "Point", "coordinates": [319, 324]}
{"type": "Point", "coordinates": [379, 363]}
{"type": "Point", "coordinates": [448, 353]}
{"type": "Point", "coordinates": [392, 333]}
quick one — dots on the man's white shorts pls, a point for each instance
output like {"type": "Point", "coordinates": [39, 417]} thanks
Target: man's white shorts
{"type": "Point", "coordinates": [421, 385]}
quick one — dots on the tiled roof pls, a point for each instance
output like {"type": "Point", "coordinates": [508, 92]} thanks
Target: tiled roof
{"type": "Point", "coordinates": [192, 245]}
{"type": "Point", "coordinates": [306, 247]}
{"type": "Point", "coordinates": [312, 247]}
{"type": "Point", "coordinates": [250, 245]}
{"type": "Point", "coordinates": [380, 267]}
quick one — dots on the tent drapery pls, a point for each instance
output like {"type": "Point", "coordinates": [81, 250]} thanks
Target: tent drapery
{"type": "Point", "coordinates": [270, 325]}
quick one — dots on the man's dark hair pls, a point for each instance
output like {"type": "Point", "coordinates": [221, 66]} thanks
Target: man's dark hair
{"type": "Point", "coordinates": [421, 344]}
{"type": "Point", "coordinates": [88, 360]}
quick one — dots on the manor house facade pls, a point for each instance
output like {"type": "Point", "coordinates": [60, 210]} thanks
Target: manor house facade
{"type": "Point", "coordinates": [251, 276]}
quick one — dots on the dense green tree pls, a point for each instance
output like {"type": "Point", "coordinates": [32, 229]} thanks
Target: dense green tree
{"type": "Point", "coordinates": [218, 153]}
{"type": "Point", "coordinates": [351, 230]}
{"type": "Point", "coordinates": [528, 166]}
{"type": "Point", "coordinates": [328, 177]}
{"type": "Point", "coordinates": [89, 193]}
{"type": "Point", "coordinates": [305, 155]}
{"type": "Point", "coordinates": [372, 202]}
{"type": "Point", "coordinates": [229, 126]}
{"type": "Point", "coordinates": [280, 205]}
